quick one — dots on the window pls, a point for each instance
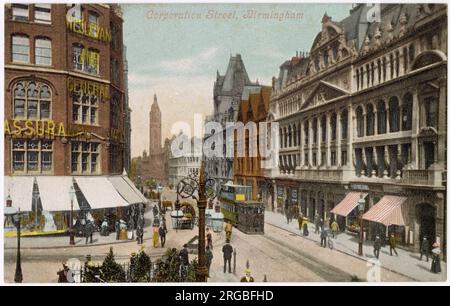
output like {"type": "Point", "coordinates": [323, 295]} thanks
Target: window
{"type": "Point", "coordinates": [20, 12]}
{"type": "Point", "coordinates": [20, 49]}
{"type": "Point", "coordinates": [333, 158]}
{"type": "Point", "coordinates": [306, 132]}
{"type": "Point", "coordinates": [299, 134]}
{"type": "Point", "coordinates": [405, 59]}
{"type": "Point", "coordinates": [43, 51]}
{"type": "Point", "coordinates": [84, 108]}
{"type": "Point", "coordinates": [31, 100]}
{"type": "Point", "coordinates": [381, 117]}
{"type": "Point", "coordinates": [397, 63]}
{"type": "Point", "coordinates": [379, 70]}
{"type": "Point", "coordinates": [372, 71]}
{"type": "Point", "coordinates": [32, 155]}
{"type": "Point", "coordinates": [344, 124]}
{"type": "Point", "coordinates": [384, 68]}
{"type": "Point", "coordinates": [391, 65]}
{"type": "Point", "coordinates": [333, 126]}
{"type": "Point", "coordinates": [115, 71]}
{"type": "Point", "coordinates": [370, 120]}
{"type": "Point", "coordinates": [344, 158]}
{"type": "Point", "coordinates": [431, 111]}
{"type": "Point", "coordinates": [306, 162]}
{"type": "Point", "coordinates": [42, 13]}
{"type": "Point", "coordinates": [85, 60]}
{"type": "Point", "coordinates": [323, 128]}
{"type": "Point", "coordinates": [368, 75]}
{"type": "Point", "coordinates": [281, 138]}
{"type": "Point", "coordinates": [114, 36]}
{"type": "Point", "coordinates": [115, 112]}
{"type": "Point", "coordinates": [323, 158]}
{"type": "Point", "coordinates": [359, 122]}
{"type": "Point", "coordinates": [411, 53]}
{"type": "Point", "coordinates": [92, 65]}
{"type": "Point", "coordinates": [357, 79]}
{"type": "Point", "coordinates": [407, 112]}
{"type": "Point", "coordinates": [362, 77]}
{"type": "Point", "coordinates": [314, 130]}
{"type": "Point", "coordinates": [314, 157]}
{"type": "Point", "coordinates": [394, 115]}
{"type": "Point", "coordinates": [85, 157]}
{"type": "Point", "coordinates": [93, 23]}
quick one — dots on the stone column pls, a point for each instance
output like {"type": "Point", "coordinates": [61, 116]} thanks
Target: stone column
{"type": "Point", "coordinates": [310, 133]}
{"type": "Point", "coordinates": [338, 138]}
{"type": "Point", "coordinates": [319, 141]}
{"type": "Point", "coordinates": [328, 140]}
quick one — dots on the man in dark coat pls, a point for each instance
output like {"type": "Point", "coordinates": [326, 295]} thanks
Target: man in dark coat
{"type": "Point", "coordinates": [140, 234]}
{"type": "Point", "coordinates": [208, 256]}
{"type": "Point", "coordinates": [425, 248]}
{"type": "Point", "coordinates": [392, 244]}
{"type": "Point", "coordinates": [184, 255]}
{"type": "Point", "coordinates": [227, 250]}
{"type": "Point", "coordinates": [162, 235]}
{"type": "Point", "coordinates": [323, 237]}
{"type": "Point", "coordinates": [88, 231]}
{"type": "Point", "coordinates": [377, 247]}
{"type": "Point", "coordinates": [209, 239]}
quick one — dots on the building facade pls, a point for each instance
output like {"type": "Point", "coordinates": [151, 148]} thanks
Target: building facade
{"type": "Point", "coordinates": [185, 165]}
{"type": "Point", "coordinates": [228, 91]}
{"type": "Point", "coordinates": [64, 102]}
{"type": "Point", "coordinates": [247, 169]}
{"type": "Point", "coordinates": [365, 112]}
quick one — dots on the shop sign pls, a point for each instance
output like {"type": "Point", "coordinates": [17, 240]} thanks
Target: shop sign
{"type": "Point", "coordinates": [359, 187]}
{"type": "Point", "coordinates": [280, 192]}
{"type": "Point", "coordinates": [40, 128]}
{"type": "Point", "coordinates": [88, 88]}
{"type": "Point", "coordinates": [294, 195]}
{"type": "Point", "coordinates": [89, 29]}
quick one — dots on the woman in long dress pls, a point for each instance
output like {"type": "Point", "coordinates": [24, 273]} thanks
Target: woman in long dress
{"type": "Point", "coordinates": [436, 261]}
{"type": "Point", "coordinates": [155, 236]}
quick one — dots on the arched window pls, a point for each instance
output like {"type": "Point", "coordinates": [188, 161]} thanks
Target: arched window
{"type": "Point", "coordinates": [323, 128]}
{"type": "Point", "coordinates": [20, 48]}
{"type": "Point", "coordinates": [333, 126]}
{"type": "Point", "coordinates": [31, 100]}
{"type": "Point", "coordinates": [314, 127]}
{"type": "Point", "coordinates": [394, 125]}
{"type": "Point", "coordinates": [431, 111]}
{"type": "Point", "coordinates": [381, 117]}
{"type": "Point", "coordinates": [344, 124]}
{"type": "Point", "coordinates": [370, 116]}
{"type": "Point", "coordinates": [407, 112]}
{"type": "Point", "coordinates": [359, 122]}
{"type": "Point", "coordinates": [43, 51]}
{"type": "Point", "coordinates": [115, 111]}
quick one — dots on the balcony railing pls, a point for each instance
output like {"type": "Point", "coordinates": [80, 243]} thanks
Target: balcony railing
{"type": "Point", "coordinates": [319, 174]}
{"type": "Point", "coordinates": [423, 177]}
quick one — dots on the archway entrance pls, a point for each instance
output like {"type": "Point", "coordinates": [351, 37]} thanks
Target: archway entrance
{"type": "Point", "coordinates": [427, 222]}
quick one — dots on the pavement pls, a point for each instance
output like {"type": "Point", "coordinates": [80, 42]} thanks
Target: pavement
{"type": "Point", "coordinates": [406, 263]}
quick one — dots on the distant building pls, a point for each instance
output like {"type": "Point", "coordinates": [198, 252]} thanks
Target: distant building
{"type": "Point", "coordinates": [183, 166]}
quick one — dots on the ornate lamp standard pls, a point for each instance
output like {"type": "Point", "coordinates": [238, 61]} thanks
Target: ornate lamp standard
{"type": "Point", "coordinates": [12, 211]}
{"type": "Point", "coordinates": [72, 197]}
{"type": "Point", "coordinates": [186, 189]}
{"type": "Point", "coordinates": [35, 196]}
{"type": "Point", "coordinates": [361, 205]}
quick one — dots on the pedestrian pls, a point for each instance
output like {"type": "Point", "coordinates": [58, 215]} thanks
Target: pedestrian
{"type": "Point", "coordinates": [105, 228]}
{"type": "Point", "coordinates": [321, 224]}
{"type": "Point", "coordinates": [392, 244]}
{"type": "Point", "coordinates": [300, 221]}
{"type": "Point", "coordinates": [248, 278]}
{"type": "Point", "coordinates": [155, 236]}
{"type": "Point", "coordinates": [184, 256]}
{"type": "Point", "coordinates": [155, 211]}
{"type": "Point", "coordinates": [228, 230]}
{"type": "Point", "coordinates": [209, 239]}
{"type": "Point", "coordinates": [436, 259]}
{"type": "Point", "coordinates": [208, 256]}
{"type": "Point", "coordinates": [162, 235]}
{"type": "Point", "coordinates": [425, 248]}
{"type": "Point", "coordinates": [62, 274]}
{"type": "Point", "coordinates": [323, 238]}
{"type": "Point", "coordinates": [334, 228]}
{"type": "Point", "coordinates": [305, 227]}
{"type": "Point", "coordinates": [140, 234]}
{"type": "Point", "coordinates": [286, 210]}
{"type": "Point", "coordinates": [88, 231]}
{"type": "Point", "coordinates": [117, 228]}
{"type": "Point", "coordinates": [227, 250]}
{"type": "Point", "coordinates": [377, 247]}
{"type": "Point", "coordinates": [316, 223]}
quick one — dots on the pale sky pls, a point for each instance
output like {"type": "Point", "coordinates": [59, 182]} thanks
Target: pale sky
{"type": "Point", "coordinates": [178, 58]}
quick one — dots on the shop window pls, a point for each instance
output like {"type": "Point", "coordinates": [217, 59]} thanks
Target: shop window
{"type": "Point", "coordinates": [42, 13]}
{"type": "Point", "coordinates": [431, 111]}
{"type": "Point", "coordinates": [31, 100]}
{"type": "Point", "coordinates": [381, 117]}
{"type": "Point", "coordinates": [85, 157]}
{"type": "Point", "coordinates": [32, 155]}
{"type": "Point", "coordinates": [20, 49]}
{"type": "Point", "coordinates": [359, 122]}
{"type": "Point", "coordinates": [85, 108]}
{"type": "Point", "coordinates": [407, 112]}
{"type": "Point", "coordinates": [43, 51]}
{"type": "Point", "coordinates": [20, 12]}
{"type": "Point", "coordinates": [394, 115]}
{"type": "Point", "coordinates": [370, 116]}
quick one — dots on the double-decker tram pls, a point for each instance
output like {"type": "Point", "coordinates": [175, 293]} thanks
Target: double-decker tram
{"type": "Point", "coordinates": [238, 208]}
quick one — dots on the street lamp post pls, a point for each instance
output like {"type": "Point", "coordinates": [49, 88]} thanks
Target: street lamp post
{"type": "Point", "coordinates": [35, 196]}
{"type": "Point", "coordinates": [361, 205]}
{"type": "Point", "coordinates": [71, 233]}
{"type": "Point", "coordinates": [18, 277]}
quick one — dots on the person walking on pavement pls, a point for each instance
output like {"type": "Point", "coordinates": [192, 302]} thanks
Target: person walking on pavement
{"type": "Point", "coordinates": [305, 227]}
{"type": "Point", "coordinates": [88, 231]}
{"type": "Point", "coordinates": [155, 236]}
{"type": "Point", "coordinates": [377, 247]}
{"type": "Point", "coordinates": [425, 248]}
{"type": "Point", "coordinates": [228, 230]}
{"type": "Point", "coordinates": [436, 259]}
{"type": "Point", "coordinates": [392, 244]}
{"type": "Point", "coordinates": [300, 221]}
{"type": "Point", "coordinates": [209, 257]}
{"type": "Point", "coordinates": [162, 235]}
{"type": "Point", "coordinates": [316, 223]}
{"type": "Point", "coordinates": [140, 234]}
{"type": "Point", "coordinates": [334, 228]}
{"type": "Point", "coordinates": [209, 239]}
{"type": "Point", "coordinates": [227, 250]}
{"type": "Point", "coordinates": [184, 260]}
{"type": "Point", "coordinates": [323, 238]}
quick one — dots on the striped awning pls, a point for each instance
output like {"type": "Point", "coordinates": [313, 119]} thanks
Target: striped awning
{"type": "Point", "coordinates": [348, 204]}
{"type": "Point", "coordinates": [387, 211]}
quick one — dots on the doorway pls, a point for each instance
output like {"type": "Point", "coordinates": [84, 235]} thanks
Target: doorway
{"type": "Point", "coordinates": [427, 221]}
{"type": "Point", "coordinates": [428, 148]}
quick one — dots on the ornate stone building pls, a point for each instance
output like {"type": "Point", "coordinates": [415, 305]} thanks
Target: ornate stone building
{"type": "Point", "coordinates": [365, 113]}
{"type": "Point", "coordinates": [183, 166]}
{"type": "Point", "coordinates": [227, 97]}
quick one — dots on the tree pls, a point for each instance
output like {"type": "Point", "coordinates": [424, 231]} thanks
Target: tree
{"type": "Point", "coordinates": [112, 272]}
{"type": "Point", "coordinates": [141, 268]}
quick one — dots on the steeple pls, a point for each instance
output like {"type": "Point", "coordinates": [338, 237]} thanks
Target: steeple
{"type": "Point", "coordinates": [155, 127]}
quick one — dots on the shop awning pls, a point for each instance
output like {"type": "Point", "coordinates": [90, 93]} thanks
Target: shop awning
{"type": "Point", "coordinates": [129, 182]}
{"type": "Point", "coordinates": [347, 204]}
{"type": "Point", "coordinates": [99, 192]}
{"type": "Point", "coordinates": [54, 193]}
{"type": "Point", "coordinates": [20, 189]}
{"type": "Point", "coordinates": [387, 211]}
{"type": "Point", "coordinates": [125, 190]}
